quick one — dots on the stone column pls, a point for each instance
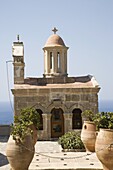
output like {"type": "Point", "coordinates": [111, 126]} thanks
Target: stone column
{"type": "Point", "coordinates": [46, 126]}
{"type": "Point", "coordinates": [42, 134]}
{"type": "Point", "coordinates": [48, 62]}
{"type": "Point", "coordinates": [44, 116]}
{"type": "Point", "coordinates": [61, 61]}
{"type": "Point", "coordinates": [46, 134]}
{"type": "Point", "coordinates": [65, 61]}
{"type": "Point", "coordinates": [67, 122]}
{"type": "Point", "coordinates": [45, 62]}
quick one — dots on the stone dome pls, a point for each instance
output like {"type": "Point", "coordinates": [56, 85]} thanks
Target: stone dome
{"type": "Point", "coordinates": [54, 40]}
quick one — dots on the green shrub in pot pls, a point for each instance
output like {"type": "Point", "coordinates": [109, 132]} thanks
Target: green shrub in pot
{"type": "Point", "coordinates": [104, 120]}
{"type": "Point", "coordinates": [23, 122]}
{"type": "Point", "coordinates": [71, 140]}
{"type": "Point", "coordinates": [88, 115]}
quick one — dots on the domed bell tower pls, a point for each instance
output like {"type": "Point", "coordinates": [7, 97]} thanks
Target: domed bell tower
{"type": "Point", "coordinates": [55, 56]}
{"type": "Point", "coordinates": [18, 61]}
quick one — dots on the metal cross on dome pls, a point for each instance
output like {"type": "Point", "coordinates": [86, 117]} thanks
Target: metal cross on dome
{"type": "Point", "coordinates": [54, 30]}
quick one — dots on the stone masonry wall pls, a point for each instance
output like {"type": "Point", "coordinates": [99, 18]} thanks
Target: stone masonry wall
{"type": "Point", "coordinates": [85, 99]}
{"type": "Point", "coordinates": [47, 99]}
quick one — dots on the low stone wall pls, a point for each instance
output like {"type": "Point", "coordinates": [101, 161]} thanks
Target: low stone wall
{"type": "Point", "coordinates": [5, 130]}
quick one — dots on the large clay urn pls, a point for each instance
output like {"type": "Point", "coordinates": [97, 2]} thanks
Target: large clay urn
{"type": "Point", "coordinates": [35, 134]}
{"type": "Point", "coordinates": [104, 148]}
{"type": "Point", "coordinates": [88, 135]}
{"type": "Point", "coordinates": [20, 154]}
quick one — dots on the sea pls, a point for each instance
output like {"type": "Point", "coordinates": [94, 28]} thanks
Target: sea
{"type": "Point", "coordinates": [7, 111]}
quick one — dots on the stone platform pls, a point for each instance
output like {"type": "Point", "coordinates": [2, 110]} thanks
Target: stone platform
{"type": "Point", "coordinates": [49, 156]}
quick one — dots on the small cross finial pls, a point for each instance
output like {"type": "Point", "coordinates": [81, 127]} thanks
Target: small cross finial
{"type": "Point", "coordinates": [18, 38]}
{"type": "Point", "coordinates": [54, 30]}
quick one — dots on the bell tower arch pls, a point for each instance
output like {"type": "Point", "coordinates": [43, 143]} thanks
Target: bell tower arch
{"type": "Point", "coordinates": [55, 56]}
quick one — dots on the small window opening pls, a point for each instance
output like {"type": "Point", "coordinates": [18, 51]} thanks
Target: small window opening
{"type": "Point", "coordinates": [77, 119]}
{"type": "Point", "coordinates": [58, 59]}
{"type": "Point", "coordinates": [51, 60]}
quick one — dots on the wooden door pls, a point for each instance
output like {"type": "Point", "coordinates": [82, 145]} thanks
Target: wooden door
{"type": "Point", "coordinates": [57, 123]}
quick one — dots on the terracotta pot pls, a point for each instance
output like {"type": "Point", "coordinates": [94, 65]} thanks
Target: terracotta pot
{"type": "Point", "coordinates": [104, 148]}
{"type": "Point", "coordinates": [88, 135]}
{"type": "Point", "coordinates": [35, 134]}
{"type": "Point", "coordinates": [18, 156]}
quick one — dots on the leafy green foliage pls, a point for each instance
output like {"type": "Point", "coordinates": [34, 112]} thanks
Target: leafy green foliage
{"type": "Point", "coordinates": [88, 115]}
{"type": "Point", "coordinates": [22, 123]}
{"type": "Point", "coordinates": [104, 120]}
{"type": "Point", "coordinates": [19, 131]}
{"type": "Point", "coordinates": [30, 116]}
{"type": "Point", "coordinates": [71, 140]}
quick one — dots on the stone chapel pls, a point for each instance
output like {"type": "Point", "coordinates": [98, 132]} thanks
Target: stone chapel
{"type": "Point", "coordinates": [59, 99]}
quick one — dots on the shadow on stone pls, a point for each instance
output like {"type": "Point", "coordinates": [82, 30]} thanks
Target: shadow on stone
{"type": "Point", "coordinates": [3, 160]}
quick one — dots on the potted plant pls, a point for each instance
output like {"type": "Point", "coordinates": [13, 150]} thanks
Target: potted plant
{"type": "Point", "coordinates": [20, 146]}
{"type": "Point", "coordinates": [104, 141]}
{"type": "Point", "coordinates": [32, 120]}
{"type": "Point", "coordinates": [71, 141]}
{"type": "Point", "coordinates": [88, 115]}
{"type": "Point", "coordinates": [88, 133]}
{"type": "Point", "coordinates": [104, 120]}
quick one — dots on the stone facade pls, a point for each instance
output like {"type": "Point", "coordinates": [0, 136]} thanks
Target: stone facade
{"type": "Point", "coordinates": [60, 99]}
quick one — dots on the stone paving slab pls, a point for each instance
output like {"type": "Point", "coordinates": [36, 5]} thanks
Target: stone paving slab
{"type": "Point", "coordinates": [49, 156]}
{"type": "Point", "coordinates": [69, 161]}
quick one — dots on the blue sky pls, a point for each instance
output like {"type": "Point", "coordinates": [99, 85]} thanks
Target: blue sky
{"type": "Point", "coordinates": [86, 27]}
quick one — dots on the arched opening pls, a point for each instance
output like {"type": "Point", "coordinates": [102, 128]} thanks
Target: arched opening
{"type": "Point", "coordinates": [77, 119]}
{"type": "Point", "coordinates": [51, 60]}
{"type": "Point", "coordinates": [41, 119]}
{"type": "Point", "coordinates": [58, 61]}
{"type": "Point", "coordinates": [57, 123]}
